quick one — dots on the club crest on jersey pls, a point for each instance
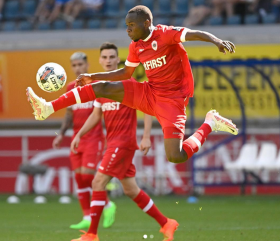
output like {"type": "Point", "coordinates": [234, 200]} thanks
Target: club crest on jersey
{"type": "Point", "coordinates": [154, 45]}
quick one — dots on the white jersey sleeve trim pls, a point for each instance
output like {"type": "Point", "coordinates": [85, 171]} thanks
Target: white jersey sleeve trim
{"type": "Point", "coordinates": [183, 35]}
{"type": "Point", "coordinates": [97, 104]}
{"type": "Point", "coordinates": [77, 96]}
{"type": "Point", "coordinates": [130, 64]}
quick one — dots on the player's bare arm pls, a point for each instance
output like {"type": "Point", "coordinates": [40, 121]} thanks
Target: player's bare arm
{"type": "Point", "coordinates": [66, 124]}
{"type": "Point", "coordinates": [115, 75]}
{"type": "Point", "coordinates": [145, 144]}
{"type": "Point", "coordinates": [91, 122]}
{"type": "Point", "coordinates": [223, 45]}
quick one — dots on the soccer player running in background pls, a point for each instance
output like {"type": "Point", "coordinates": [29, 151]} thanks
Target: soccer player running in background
{"type": "Point", "coordinates": [121, 124]}
{"type": "Point", "coordinates": [89, 153]}
{"type": "Point", "coordinates": [160, 50]}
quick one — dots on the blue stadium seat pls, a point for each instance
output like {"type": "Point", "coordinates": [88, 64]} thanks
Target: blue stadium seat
{"type": "Point", "coordinates": [164, 8]}
{"type": "Point", "coordinates": [178, 21]}
{"type": "Point", "coordinates": [112, 8]}
{"type": "Point", "coordinates": [94, 24]}
{"type": "Point", "coordinates": [216, 21]}
{"type": "Point", "coordinates": [77, 24]}
{"type": "Point", "coordinates": [269, 19]}
{"type": "Point", "coordinates": [181, 7]}
{"type": "Point", "coordinates": [9, 26]}
{"type": "Point", "coordinates": [147, 3]}
{"type": "Point", "coordinates": [198, 2]}
{"type": "Point", "coordinates": [251, 19]}
{"type": "Point", "coordinates": [25, 26]}
{"type": "Point", "coordinates": [59, 25]}
{"type": "Point", "coordinates": [11, 10]}
{"type": "Point", "coordinates": [43, 26]}
{"type": "Point", "coordinates": [234, 20]}
{"type": "Point", "coordinates": [110, 23]}
{"type": "Point", "coordinates": [163, 21]}
{"type": "Point", "coordinates": [28, 8]}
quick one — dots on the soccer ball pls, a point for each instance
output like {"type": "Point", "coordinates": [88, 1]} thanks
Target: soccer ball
{"type": "Point", "coordinates": [51, 77]}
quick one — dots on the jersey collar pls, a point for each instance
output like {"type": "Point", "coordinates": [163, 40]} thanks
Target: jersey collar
{"type": "Point", "coordinates": [150, 35]}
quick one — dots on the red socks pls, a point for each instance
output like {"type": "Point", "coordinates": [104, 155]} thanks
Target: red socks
{"type": "Point", "coordinates": [194, 142]}
{"type": "Point", "coordinates": [144, 202]}
{"type": "Point", "coordinates": [84, 191]}
{"type": "Point", "coordinates": [74, 96]}
{"type": "Point", "coordinates": [96, 207]}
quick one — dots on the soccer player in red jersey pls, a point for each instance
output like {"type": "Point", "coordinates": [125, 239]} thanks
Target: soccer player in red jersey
{"type": "Point", "coordinates": [121, 124]}
{"type": "Point", "coordinates": [159, 48]}
{"type": "Point", "coordinates": [85, 161]}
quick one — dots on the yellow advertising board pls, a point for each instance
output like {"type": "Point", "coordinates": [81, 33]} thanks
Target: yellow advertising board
{"type": "Point", "coordinates": [18, 70]}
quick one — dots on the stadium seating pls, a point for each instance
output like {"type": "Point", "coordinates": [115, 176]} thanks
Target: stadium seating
{"type": "Point", "coordinates": [43, 26]}
{"type": "Point", "coordinates": [28, 8]}
{"type": "Point", "coordinates": [25, 26]}
{"type": "Point", "coordinates": [9, 26]}
{"type": "Point", "coordinates": [198, 2]}
{"type": "Point", "coordinates": [112, 8]}
{"type": "Point", "coordinates": [164, 8]}
{"type": "Point", "coordinates": [77, 24]}
{"type": "Point", "coordinates": [181, 7]}
{"type": "Point", "coordinates": [247, 156]}
{"type": "Point", "coordinates": [274, 165]}
{"type": "Point", "coordinates": [233, 20]}
{"type": "Point", "coordinates": [178, 21]}
{"type": "Point", "coordinates": [269, 19]}
{"type": "Point", "coordinates": [216, 21]}
{"type": "Point", "coordinates": [11, 10]}
{"type": "Point", "coordinates": [128, 4]}
{"type": "Point", "coordinates": [94, 24]}
{"type": "Point", "coordinates": [148, 3]}
{"type": "Point", "coordinates": [59, 25]}
{"type": "Point", "coordinates": [267, 156]}
{"type": "Point", "coordinates": [164, 21]}
{"type": "Point", "coordinates": [110, 23]}
{"type": "Point", "coordinates": [252, 19]}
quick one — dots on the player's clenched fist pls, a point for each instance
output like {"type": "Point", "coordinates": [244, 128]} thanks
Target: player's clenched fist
{"type": "Point", "coordinates": [83, 79]}
{"type": "Point", "coordinates": [224, 46]}
{"type": "Point", "coordinates": [75, 144]}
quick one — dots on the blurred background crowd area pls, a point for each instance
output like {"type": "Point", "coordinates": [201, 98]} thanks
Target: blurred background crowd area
{"type": "Point", "coordinates": [28, 15]}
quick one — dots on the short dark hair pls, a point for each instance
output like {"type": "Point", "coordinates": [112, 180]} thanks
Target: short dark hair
{"type": "Point", "coordinates": [108, 45]}
{"type": "Point", "coordinates": [142, 11]}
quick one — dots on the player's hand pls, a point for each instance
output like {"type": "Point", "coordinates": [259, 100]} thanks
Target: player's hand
{"type": "Point", "coordinates": [57, 141]}
{"type": "Point", "coordinates": [75, 144]}
{"type": "Point", "coordinates": [83, 79]}
{"type": "Point", "coordinates": [224, 46]}
{"type": "Point", "coordinates": [145, 145]}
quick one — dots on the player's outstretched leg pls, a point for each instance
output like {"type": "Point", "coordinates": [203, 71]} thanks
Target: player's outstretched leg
{"type": "Point", "coordinates": [43, 109]}
{"type": "Point", "coordinates": [213, 122]}
{"type": "Point", "coordinates": [143, 201]}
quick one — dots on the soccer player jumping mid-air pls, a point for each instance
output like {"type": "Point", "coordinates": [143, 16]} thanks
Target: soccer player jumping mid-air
{"type": "Point", "coordinates": [165, 96]}
{"type": "Point", "coordinates": [84, 162]}
{"type": "Point", "coordinates": [121, 123]}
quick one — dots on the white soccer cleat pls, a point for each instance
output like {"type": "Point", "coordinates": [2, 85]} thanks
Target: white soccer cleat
{"type": "Point", "coordinates": [42, 109]}
{"type": "Point", "coordinates": [219, 123]}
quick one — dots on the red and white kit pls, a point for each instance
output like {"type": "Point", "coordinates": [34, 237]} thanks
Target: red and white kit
{"type": "Point", "coordinates": [121, 124]}
{"type": "Point", "coordinates": [168, 89]}
{"type": "Point", "coordinates": [89, 152]}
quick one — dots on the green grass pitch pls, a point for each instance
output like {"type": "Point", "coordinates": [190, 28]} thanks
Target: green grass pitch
{"type": "Point", "coordinates": [249, 218]}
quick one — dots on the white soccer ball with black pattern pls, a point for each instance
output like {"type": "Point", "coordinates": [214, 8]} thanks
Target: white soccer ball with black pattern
{"type": "Point", "coordinates": [51, 77]}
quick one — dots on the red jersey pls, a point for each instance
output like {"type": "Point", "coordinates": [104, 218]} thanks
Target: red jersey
{"type": "Point", "coordinates": [120, 122]}
{"type": "Point", "coordinates": [165, 61]}
{"type": "Point", "coordinates": [80, 114]}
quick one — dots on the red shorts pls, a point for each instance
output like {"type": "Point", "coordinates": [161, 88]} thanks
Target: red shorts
{"type": "Point", "coordinates": [117, 162]}
{"type": "Point", "coordinates": [89, 154]}
{"type": "Point", "coordinates": [169, 112]}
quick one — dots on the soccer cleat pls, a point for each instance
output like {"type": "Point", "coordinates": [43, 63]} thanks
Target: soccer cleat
{"type": "Point", "coordinates": [109, 215]}
{"type": "Point", "coordinates": [42, 109]}
{"type": "Point", "coordinates": [87, 237]}
{"type": "Point", "coordinates": [169, 229]}
{"type": "Point", "coordinates": [220, 123]}
{"type": "Point", "coordinates": [84, 224]}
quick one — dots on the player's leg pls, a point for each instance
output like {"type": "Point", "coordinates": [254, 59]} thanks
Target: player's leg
{"type": "Point", "coordinates": [106, 89]}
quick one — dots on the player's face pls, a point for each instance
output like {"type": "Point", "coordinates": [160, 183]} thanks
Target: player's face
{"type": "Point", "coordinates": [137, 28]}
{"type": "Point", "coordinates": [79, 66]}
{"type": "Point", "coordinates": [109, 59]}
